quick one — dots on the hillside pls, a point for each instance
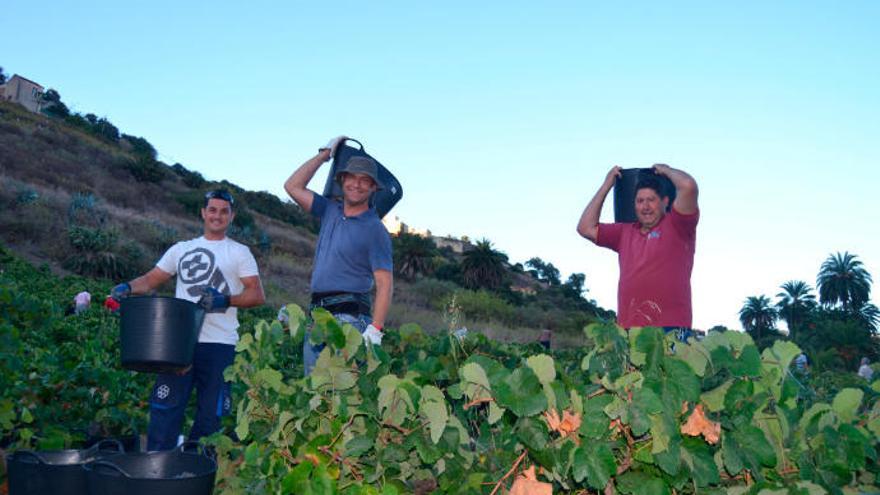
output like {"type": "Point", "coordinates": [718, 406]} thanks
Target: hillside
{"type": "Point", "coordinates": [90, 201]}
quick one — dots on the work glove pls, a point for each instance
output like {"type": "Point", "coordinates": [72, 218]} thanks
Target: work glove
{"type": "Point", "coordinates": [372, 335]}
{"type": "Point", "coordinates": [332, 144]}
{"type": "Point", "coordinates": [212, 300]}
{"type": "Point", "coordinates": [121, 291]}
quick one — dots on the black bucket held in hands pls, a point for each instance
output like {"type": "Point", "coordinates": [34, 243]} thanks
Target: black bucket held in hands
{"type": "Point", "coordinates": [625, 192]}
{"type": "Point", "coordinates": [55, 471]}
{"type": "Point", "coordinates": [384, 199]}
{"type": "Point", "coordinates": [187, 470]}
{"type": "Point", "coordinates": [159, 334]}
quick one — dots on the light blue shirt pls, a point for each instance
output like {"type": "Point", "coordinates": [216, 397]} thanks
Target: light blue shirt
{"type": "Point", "coordinates": [349, 249]}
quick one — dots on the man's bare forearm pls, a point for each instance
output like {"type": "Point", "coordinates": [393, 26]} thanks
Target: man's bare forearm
{"type": "Point", "coordinates": [588, 225]}
{"type": "Point", "coordinates": [384, 289]}
{"type": "Point", "coordinates": [297, 182]}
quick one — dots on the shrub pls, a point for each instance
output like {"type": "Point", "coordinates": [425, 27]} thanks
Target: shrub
{"type": "Point", "coordinates": [139, 146]}
{"type": "Point", "coordinates": [83, 210]}
{"type": "Point", "coordinates": [95, 253]}
{"type": "Point", "coordinates": [145, 169]}
{"type": "Point", "coordinates": [435, 292]}
{"type": "Point", "coordinates": [190, 177]}
{"type": "Point", "coordinates": [268, 204]}
{"type": "Point", "coordinates": [483, 305]}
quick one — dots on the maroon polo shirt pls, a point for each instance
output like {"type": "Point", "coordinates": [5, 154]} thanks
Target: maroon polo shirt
{"type": "Point", "coordinates": [655, 270]}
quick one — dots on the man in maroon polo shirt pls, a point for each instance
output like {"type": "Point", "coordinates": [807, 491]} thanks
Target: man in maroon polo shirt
{"type": "Point", "coordinates": [656, 253]}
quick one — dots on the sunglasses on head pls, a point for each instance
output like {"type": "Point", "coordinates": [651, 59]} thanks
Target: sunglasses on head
{"type": "Point", "coordinates": [219, 194]}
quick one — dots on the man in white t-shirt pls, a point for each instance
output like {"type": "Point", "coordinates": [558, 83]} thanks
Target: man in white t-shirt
{"type": "Point", "coordinates": [220, 275]}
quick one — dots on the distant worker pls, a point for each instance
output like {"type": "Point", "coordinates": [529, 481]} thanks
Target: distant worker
{"type": "Point", "coordinates": [220, 275]}
{"type": "Point", "coordinates": [801, 364]}
{"type": "Point", "coordinates": [655, 253]}
{"type": "Point", "coordinates": [544, 339]}
{"type": "Point", "coordinates": [354, 249]}
{"type": "Point", "coordinates": [81, 302]}
{"type": "Point", "coordinates": [283, 315]}
{"type": "Point", "coordinates": [865, 370]}
{"type": "Point", "coordinates": [111, 304]}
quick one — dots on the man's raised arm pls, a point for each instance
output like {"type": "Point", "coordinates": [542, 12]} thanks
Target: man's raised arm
{"type": "Point", "coordinates": [588, 226]}
{"type": "Point", "coordinates": [297, 182]}
{"type": "Point", "coordinates": [686, 190]}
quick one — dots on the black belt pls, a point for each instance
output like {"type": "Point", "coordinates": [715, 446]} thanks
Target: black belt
{"type": "Point", "coordinates": [342, 302]}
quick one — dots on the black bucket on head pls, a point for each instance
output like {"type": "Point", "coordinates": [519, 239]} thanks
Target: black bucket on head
{"type": "Point", "coordinates": [159, 334]}
{"type": "Point", "coordinates": [625, 192]}
{"type": "Point", "coordinates": [384, 199]}
{"type": "Point", "coordinates": [55, 471]}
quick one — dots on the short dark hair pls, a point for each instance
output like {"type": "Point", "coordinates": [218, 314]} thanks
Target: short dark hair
{"type": "Point", "coordinates": [220, 194]}
{"type": "Point", "coordinates": [653, 184]}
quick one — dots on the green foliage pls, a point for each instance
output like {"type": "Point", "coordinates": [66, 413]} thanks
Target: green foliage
{"type": "Point", "coordinates": [435, 292]}
{"type": "Point", "coordinates": [140, 147]}
{"type": "Point", "coordinates": [483, 267]}
{"type": "Point", "coordinates": [60, 380]}
{"type": "Point", "coordinates": [145, 169]}
{"type": "Point", "coordinates": [843, 280]}
{"type": "Point", "coordinates": [483, 305]}
{"type": "Point", "coordinates": [543, 271]}
{"type": "Point", "coordinates": [190, 177]}
{"type": "Point", "coordinates": [421, 412]}
{"type": "Point", "coordinates": [268, 204]}
{"type": "Point", "coordinates": [98, 253]}
{"type": "Point", "coordinates": [758, 316]}
{"type": "Point", "coordinates": [413, 255]}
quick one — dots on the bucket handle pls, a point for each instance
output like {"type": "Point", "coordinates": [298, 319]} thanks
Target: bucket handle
{"type": "Point", "coordinates": [346, 140]}
{"type": "Point", "coordinates": [111, 442]}
{"type": "Point", "coordinates": [25, 453]}
{"type": "Point", "coordinates": [188, 446]}
{"type": "Point", "coordinates": [109, 465]}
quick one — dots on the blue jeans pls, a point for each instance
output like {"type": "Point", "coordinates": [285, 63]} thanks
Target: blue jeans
{"type": "Point", "coordinates": [311, 351]}
{"type": "Point", "coordinates": [171, 395]}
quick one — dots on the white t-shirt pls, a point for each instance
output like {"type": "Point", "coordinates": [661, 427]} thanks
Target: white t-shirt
{"type": "Point", "coordinates": [866, 372]}
{"type": "Point", "coordinates": [218, 264]}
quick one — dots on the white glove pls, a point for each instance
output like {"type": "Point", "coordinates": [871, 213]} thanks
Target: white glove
{"type": "Point", "coordinates": [332, 144]}
{"type": "Point", "coordinates": [372, 335]}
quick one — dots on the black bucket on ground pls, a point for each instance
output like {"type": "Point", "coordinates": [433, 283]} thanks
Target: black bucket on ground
{"type": "Point", "coordinates": [159, 334]}
{"type": "Point", "coordinates": [187, 470]}
{"type": "Point", "coordinates": [55, 471]}
{"type": "Point", "coordinates": [384, 199]}
{"type": "Point", "coordinates": [625, 192]}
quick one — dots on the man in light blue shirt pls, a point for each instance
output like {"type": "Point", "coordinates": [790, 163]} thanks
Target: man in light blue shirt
{"type": "Point", "coordinates": [354, 249]}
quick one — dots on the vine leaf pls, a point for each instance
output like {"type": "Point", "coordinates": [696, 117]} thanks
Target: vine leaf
{"type": "Point", "coordinates": [543, 367]}
{"type": "Point", "coordinates": [433, 407]}
{"type": "Point", "coordinates": [527, 484]}
{"type": "Point", "coordinates": [595, 462]}
{"type": "Point", "coordinates": [698, 424]}
{"type": "Point", "coordinates": [566, 425]}
{"type": "Point", "coordinates": [846, 403]}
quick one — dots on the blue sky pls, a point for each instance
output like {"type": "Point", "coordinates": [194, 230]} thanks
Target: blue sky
{"type": "Point", "coordinates": [501, 119]}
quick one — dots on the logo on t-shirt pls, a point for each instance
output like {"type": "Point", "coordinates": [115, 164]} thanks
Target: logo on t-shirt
{"type": "Point", "coordinates": [654, 234]}
{"type": "Point", "coordinates": [197, 268]}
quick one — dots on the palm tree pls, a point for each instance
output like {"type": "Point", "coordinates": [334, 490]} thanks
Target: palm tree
{"type": "Point", "coordinates": [413, 255]}
{"type": "Point", "coordinates": [483, 267]}
{"type": "Point", "coordinates": [869, 316]}
{"type": "Point", "coordinates": [757, 315]}
{"type": "Point", "coordinates": [795, 302]}
{"type": "Point", "coordinates": [843, 279]}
